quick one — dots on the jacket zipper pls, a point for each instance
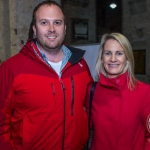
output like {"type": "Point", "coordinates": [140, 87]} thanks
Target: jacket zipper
{"type": "Point", "coordinates": [53, 92]}
{"type": "Point", "coordinates": [72, 102]}
{"type": "Point", "coordinates": [63, 89]}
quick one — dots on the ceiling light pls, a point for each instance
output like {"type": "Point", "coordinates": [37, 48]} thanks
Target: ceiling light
{"type": "Point", "coordinates": [113, 5]}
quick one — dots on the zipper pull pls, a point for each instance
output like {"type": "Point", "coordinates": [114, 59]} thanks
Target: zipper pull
{"type": "Point", "coordinates": [63, 87]}
{"type": "Point", "coordinates": [53, 89]}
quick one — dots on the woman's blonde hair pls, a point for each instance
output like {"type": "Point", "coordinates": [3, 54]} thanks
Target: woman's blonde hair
{"type": "Point", "coordinates": [128, 52]}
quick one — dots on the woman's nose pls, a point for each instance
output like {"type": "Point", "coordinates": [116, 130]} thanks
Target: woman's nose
{"type": "Point", "coordinates": [113, 57]}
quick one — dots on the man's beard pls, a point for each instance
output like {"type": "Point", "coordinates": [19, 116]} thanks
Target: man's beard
{"type": "Point", "coordinates": [54, 49]}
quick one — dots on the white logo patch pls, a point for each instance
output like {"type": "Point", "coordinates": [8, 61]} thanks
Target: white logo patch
{"type": "Point", "coordinates": [80, 64]}
{"type": "Point", "coordinates": [148, 123]}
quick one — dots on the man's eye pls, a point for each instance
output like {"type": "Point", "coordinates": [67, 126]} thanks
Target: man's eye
{"type": "Point", "coordinates": [58, 22]}
{"type": "Point", "coordinates": [43, 22]}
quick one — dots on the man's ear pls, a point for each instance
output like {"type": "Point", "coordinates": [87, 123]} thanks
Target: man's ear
{"type": "Point", "coordinates": [65, 29]}
{"type": "Point", "coordinates": [34, 29]}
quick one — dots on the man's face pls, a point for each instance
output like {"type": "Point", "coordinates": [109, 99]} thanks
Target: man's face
{"type": "Point", "coordinates": [50, 28]}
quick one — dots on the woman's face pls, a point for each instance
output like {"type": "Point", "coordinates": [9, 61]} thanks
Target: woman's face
{"type": "Point", "coordinates": [113, 58]}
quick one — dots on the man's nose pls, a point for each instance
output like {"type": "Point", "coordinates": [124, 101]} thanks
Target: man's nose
{"type": "Point", "coordinates": [51, 28]}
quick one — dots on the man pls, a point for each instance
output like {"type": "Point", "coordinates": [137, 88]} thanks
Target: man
{"type": "Point", "coordinates": [43, 88]}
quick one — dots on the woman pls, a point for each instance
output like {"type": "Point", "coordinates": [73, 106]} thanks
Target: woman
{"type": "Point", "coordinates": [121, 103]}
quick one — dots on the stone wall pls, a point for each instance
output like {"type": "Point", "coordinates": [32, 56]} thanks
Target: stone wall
{"type": "Point", "coordinates": [4, 32]}
{"type": "Point", "coordinates": [85, 13]}
{"type": "Point", "coordinates": [136, 27]}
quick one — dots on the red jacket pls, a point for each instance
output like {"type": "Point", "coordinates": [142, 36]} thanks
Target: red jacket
{"type": "Point", "coordinates": [121, 118]}
{"type": "Point", "coordinates": [45, 112]}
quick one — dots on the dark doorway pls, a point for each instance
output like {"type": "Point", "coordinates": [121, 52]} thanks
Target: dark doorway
{"type": "Point", "coordinates": [108, 19]}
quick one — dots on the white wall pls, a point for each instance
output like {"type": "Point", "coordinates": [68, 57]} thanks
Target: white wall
{"type": "Point", "coordinates": [90, 56]}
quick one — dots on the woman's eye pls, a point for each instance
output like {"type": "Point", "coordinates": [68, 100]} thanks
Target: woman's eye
{"type": "Point", "coordinates": [120, 53]}
{"type": "Point", "coordinates": [107, 53]}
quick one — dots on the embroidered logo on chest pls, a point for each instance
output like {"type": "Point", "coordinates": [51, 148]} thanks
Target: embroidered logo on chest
{"type": "Point", "coordinates": [148, 123]}
{"type": "Point", "coordinates": [80, 64]}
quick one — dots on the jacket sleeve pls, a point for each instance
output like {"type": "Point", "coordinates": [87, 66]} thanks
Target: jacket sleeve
{"type": "Point", "coordinates": [5, 108]}
{"type": "Point", "coordinates": [146, 117]}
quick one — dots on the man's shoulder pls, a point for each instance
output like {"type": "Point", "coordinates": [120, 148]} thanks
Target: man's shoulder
{"type": "Point", "coordinates": [74, 49]}
{"type": "Point", "coordinates": [14, 62]}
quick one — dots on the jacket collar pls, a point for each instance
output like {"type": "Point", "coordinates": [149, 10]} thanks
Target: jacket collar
{"type": "Point", "coordinates": [119, 83]}
{"type": "Point", "coordinates": [77, 54]}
